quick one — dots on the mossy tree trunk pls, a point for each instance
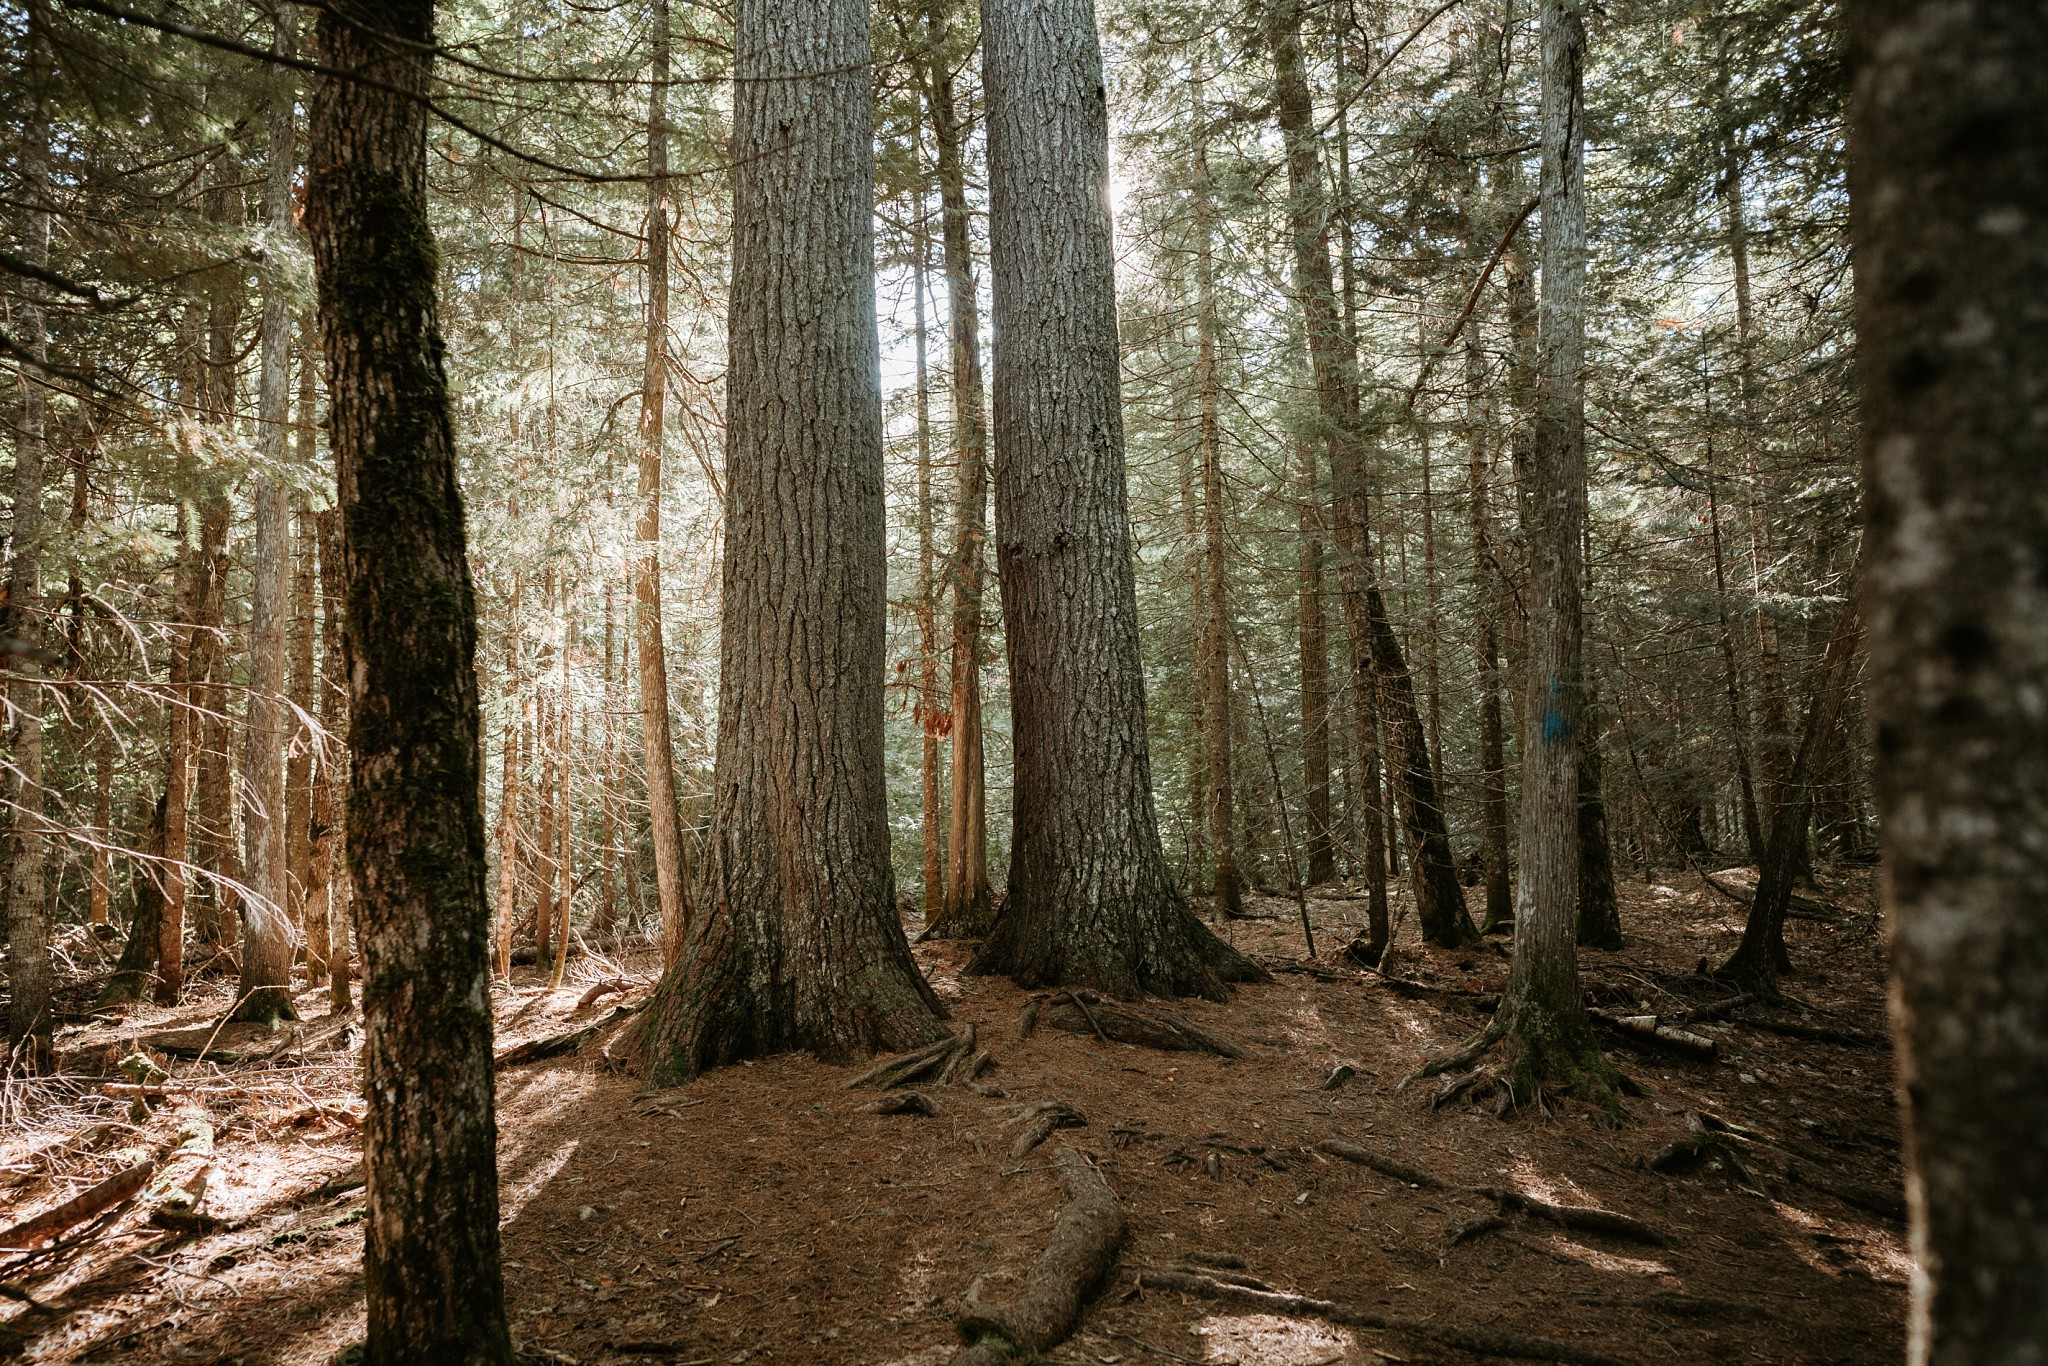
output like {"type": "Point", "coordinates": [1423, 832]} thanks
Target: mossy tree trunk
{"type": "Point", "coordinates": [1091, 901]}
{"type": "Point", "coordinates": [800, 946]}
{"type": "Point", "coordinates": [415, 817]}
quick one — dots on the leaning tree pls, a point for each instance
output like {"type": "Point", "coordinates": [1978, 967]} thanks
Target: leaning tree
{"type": "Point", "coordinates": [1091, 901]}
{"type": "Point", "coordinates": [800, 945]}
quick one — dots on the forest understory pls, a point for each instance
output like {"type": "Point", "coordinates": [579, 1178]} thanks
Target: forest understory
{"type": "Point", "coordinates": [766, 1212]}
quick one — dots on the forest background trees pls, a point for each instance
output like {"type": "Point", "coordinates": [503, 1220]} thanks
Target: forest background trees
{"type": "Point", "coordinates": [572, 182]}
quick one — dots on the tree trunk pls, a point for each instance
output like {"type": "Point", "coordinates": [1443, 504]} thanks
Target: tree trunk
{"type": "Point", "coordinates": [330, 793]}
{"type": "Point", "coordinates": [671, 864]}
{"type": "Point", "coordinates": [970, 900]}
{"type": "Point", "coordinates": [801, 946]}
{"type": "Point", "coordinates": [415, 825]}
{"type": "Point", "coordinates": [1215, 626]}
{"type": "Point", "coordinates": [1599, 905]}
{"type": "Point", "coordinates": [265, 990]}
{"type": "Point", "coordinates": [30, 1026]}
{"type": "Point", "coordinates": [1549, 1037]}
{"type": "Point", "coordinates": [1760, 956]}
{"type": "Point", "coordinates": [1091, 902]}
{"type": "Point", "coordinates": [932, 720]}
{"type": "Point", "coordinates": [1949, 191]}
{"type": "Point", "coordinates": [299, 764]}
{"type": "Point", "coordinates": [508, 790]}
{"type": "Point", "coordinates": [1313, 635]}
{"type": "Point", "coordinates": [130, 979]}
{"type": "Point", "coordinates": [1487, 594]}
{"type": "Point", "coordinates": [1440, 901]}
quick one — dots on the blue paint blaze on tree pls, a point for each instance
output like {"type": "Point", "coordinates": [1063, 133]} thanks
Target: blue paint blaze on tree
{"type": "Point", "coordinates": [1556, 727]}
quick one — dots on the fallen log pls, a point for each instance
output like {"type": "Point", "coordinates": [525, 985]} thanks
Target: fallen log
{"type": "Point", "coordinates": [1649, 1029]}
{"type": "Point", "coordinates": [1478, 1341]}
{"type": "Point", "coordinates": [31, 1234]}
{"type": "Point", "coordinates": [1085, 1243]}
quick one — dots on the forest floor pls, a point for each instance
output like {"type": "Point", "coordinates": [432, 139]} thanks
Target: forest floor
{"type": "Point", "coordinates": [760, 1215]}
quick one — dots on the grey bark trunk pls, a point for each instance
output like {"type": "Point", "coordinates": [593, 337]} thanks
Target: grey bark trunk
{"type": "Point", "coordinates": [1549, 1037]}
{"type": "Point", "coordinates": [1493, 775]}
{"type": "Point", "coordinates": [800, 946]}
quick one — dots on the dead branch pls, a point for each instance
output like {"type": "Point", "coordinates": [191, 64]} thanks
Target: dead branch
{"type": "Point", "coordinates": [124, 1185]}
{"type": "Point", "coordinates": [555, 1045]}
{"type": "Point", "coordinates": [1085, 1243]}
{"type": "Point", "coordinates": [1649, 1029]}
{"type": "Point", "coordinates": [1379, 1162]}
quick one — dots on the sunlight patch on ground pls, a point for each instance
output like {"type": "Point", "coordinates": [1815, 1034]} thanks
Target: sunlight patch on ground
{"type": "Point", "coordinates": [1270, 1340]}
{"type": "Point", "coordinates": [515, 1194]}
{"type": "Point", "coordinates": [1608, 1261]}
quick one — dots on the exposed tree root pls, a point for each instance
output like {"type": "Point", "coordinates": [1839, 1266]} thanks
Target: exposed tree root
{"type": "Point", "coordinates": [1479, 1341]}
{"type": "Point", "coordinates": [555, 1045]}
{"type": "Point", "coordinates": [1085, 1243]}
{"type": "Point", "coordinates": [1084, 1012]}
{"type": "Point", "coordinates": [902, 1103]}
{"type": "Point", "coordinates": [1709, 1136]}
{"type": "Point", "coordinates": [1507, 1203]}
{"type": "Point", "coordinates": [1040, 1120]}
{"type": "Point", "coordinates": [953, 1058]}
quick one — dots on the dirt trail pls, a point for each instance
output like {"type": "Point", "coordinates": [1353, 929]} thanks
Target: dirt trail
{"type": "Point", "coordinates": [760, 1214]}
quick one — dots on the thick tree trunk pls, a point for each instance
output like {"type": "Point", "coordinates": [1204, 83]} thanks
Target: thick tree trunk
{"type": "Point", "coordinates": [801, 946]}
{"type": "Point", "coordinates": [1215, 625]}
{"type": "Point", "coordinates": [415, 823]}
{"type": "Point", "coordinates": [671, 863]}
{"type": "Point", "coordinates": [1549, 1036]}
{"type": "Point", "coordinates": [1091, 902]}
{"type": "Point", "coordinates": [30, 1025]}
{"type": "Point", "coordinates": [1493, 774]}
{"type": "Point", "coordinates": [970, 900]}
{"type": "Point", "coordinates": [1949, 192]}
{"type": "Point", "coordinates": [299, 763]}
{"type": "Point", "coordinates": [1599, 905]}
{"type": "Point", "coordinates": [265, 989]}
{"type": "Point", "coordinates": [1440, 901]}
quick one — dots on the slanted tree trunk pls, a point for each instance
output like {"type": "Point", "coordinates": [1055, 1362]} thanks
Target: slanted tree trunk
{"type": "Point", "coordinates": [1549, 1036]}
{"type": "Point", "coordinates": [800, 945]}
{"type": "Point", "coordinates": [30, 1025]}
{"type": "Point", "coordinates": [1091, 901]}
{"type": "Point", "coordinates": [1215, 624]}
{"type": "Point", "coordinates": [671, 864]}
{"type": "Point", "coordinates": [1376, 651]}
{"type": "Point", "coordinates": [415, 821]}
{"type": "Point", "coordinates": [970, 900]}
{"type": "Point", "coordinates": [265, 989]}
{"type": "Point", "coordinates": [1758, 959]}
{"type": "Point", "coordinates": [1949, 135]}
{"type": "Point", "coordinates": [1493, 774]}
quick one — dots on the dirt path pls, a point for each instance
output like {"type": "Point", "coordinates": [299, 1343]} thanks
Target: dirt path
{"type": "Point", "coordinates": [761, 1215]}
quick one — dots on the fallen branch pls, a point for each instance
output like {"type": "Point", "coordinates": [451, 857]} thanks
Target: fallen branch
{"type": "Point", "coordinates": [1379, 1162]}
{"type": "Point", "coordinates": [1507, 1202]}
{"type": "Point", "coordinates": [1478, 1341]}
{"type": "Point", "coordinates": [123, 1186]}
{"type": "Point", "coordinates": [1649, 1029]}
{"type": "Point", "coordinates": [1085, 1243]}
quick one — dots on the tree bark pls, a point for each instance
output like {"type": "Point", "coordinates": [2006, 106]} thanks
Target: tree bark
{"type": "Point", "coordinates": [1949, 191]}
{"type": "Point", "coordinates": [970, 900]}
{"type": "Point", "coordinates": [932, 720]}
{"type": "Point", "coordinates": [312, 920]}
{"type": "Point", "coordinates": [330, 793]}
{"type": "Point", "coordinates": [265, 989]}
{"type": "Point", "coordinates": [671, 862]}
{"type": "Point", "coordinates": [1091, 901]}
{"type": "Point", "coordinates": [801, 946]}
{"type": "Point", "coordinates": [30, 1025]}
{"type": "Point", "coordinates": [1549, 1037]}
{"type": "Point", "coordinates": [415, 823]}
{"type": "Point", "coordinates": [508, 789]}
